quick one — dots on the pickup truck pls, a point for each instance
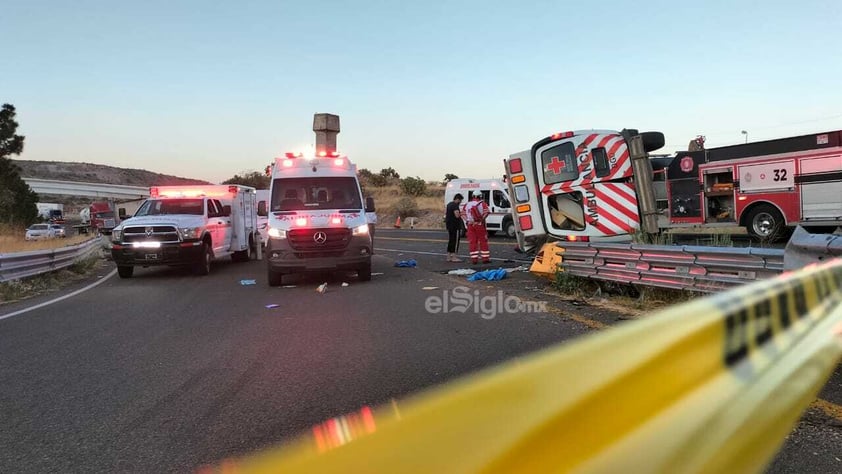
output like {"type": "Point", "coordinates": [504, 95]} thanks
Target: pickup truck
{"type": "Point", "coordinates": [189, 226]}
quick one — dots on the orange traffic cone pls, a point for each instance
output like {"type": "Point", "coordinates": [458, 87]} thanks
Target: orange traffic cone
{"type": "Point", "coordinates": [398, 223]}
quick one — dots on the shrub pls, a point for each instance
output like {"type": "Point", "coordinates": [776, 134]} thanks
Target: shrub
{"type": "Point", "coordinates": [413, 186]}
{"type": "Point", "coordinates": [406, 207]}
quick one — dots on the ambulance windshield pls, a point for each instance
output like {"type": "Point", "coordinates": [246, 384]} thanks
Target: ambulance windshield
{"type": "Point", "coordinates": [302, 194]}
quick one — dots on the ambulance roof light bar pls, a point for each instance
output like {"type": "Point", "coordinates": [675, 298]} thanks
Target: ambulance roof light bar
{"type": "Point", "coordinates": [560, 135]}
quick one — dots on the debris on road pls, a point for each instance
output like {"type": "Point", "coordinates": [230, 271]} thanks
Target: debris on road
{"type": "Point", "coordinates": [521, 268]}
{"type": "Point", "coordinates": [375, 274]}
{"type": "Point", "coordinates": [272, 306]}
{"type": "Point", "coordinates": [288, 286]}
{"type": "Point", "coordinates": [345, 283]}
{"type": "Point", "coordinates": [248, 282]}
{"type": "Point", "coordinates": [490, 275]}
{"type": "Point", "coordinates": [322, 288]}
{"type": "Point", "coordinates": [428, 288]}
{"type": "Point", "coordinates": [462, 272]}
{"type": "Point", "coordinates": [411, 263]}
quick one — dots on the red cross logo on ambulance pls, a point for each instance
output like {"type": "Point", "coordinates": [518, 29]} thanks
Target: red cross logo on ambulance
{"type": "Point", "coordinates": [686, 164]}
{"type": "Point", "coordinates": [555, 165]}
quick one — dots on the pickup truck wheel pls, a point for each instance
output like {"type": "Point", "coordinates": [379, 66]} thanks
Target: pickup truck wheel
{"type": "Point", "coordinates": [274, 278]}
{"type": "Point", "coordinates": [202, 267]}
{"type": "Point", "coordinates": [364, 272]}
{"type": "Point", "coordinates": [125, 271]}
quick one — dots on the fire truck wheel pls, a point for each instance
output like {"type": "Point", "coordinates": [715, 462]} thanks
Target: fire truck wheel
{"type": "Point", "coordinates": [364, 272]}
{"type": "Point", "coordinates": [275, 278]}
{"type": "Point", "coordinates": [125, 271]}
{"type": "Point", "coordinates": [202, 267]}
{"type": "Point", "coordinates": [652, 141]}
{"type": "Point", "coordinates": [765, 223]}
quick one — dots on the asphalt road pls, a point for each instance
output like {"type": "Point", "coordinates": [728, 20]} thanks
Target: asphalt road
{"type": "Point", "coordinates": [166, 372]}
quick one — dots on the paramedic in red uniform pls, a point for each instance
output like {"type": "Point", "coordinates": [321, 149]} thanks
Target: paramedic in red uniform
{"type": "Point", "coordinates": [475, 213]}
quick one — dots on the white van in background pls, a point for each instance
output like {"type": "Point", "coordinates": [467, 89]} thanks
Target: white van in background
{"type": "Point", "coordinates": [494, 193]}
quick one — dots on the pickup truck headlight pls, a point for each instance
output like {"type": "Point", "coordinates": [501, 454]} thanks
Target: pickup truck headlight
{"type": "Point", "coordinates": [190, 233]}
{"type": "Point", "coordinates": [361, 230]}
{"type": "Point", "coordinates": [116, 235]}
{"type": "Point", "coordinates": [276, 233]}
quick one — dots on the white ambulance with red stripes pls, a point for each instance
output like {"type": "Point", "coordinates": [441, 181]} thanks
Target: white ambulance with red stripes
{"type": "Point", "coordinates": [318, 219]}
{"type": "Point", "coordinates": [581, 186]}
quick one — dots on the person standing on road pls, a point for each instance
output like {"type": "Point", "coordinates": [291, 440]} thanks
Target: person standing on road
{"type": "Point", "coordinates": [453, 223]}
{"type": "Point", "coordinates": [476, 212]}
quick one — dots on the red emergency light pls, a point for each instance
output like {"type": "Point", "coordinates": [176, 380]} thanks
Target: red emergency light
{"type": "Point", "coordinates": [301, 221]}
{"type": "Point", "coordinates": [560, 135]}
{"type": "Point", "coordinates": [576, 238]}
{"type": "Point", "coordinates": [515, 166]}
{"type": "Point", "coordinates": [338, 162]}
{"type": "Point", "coordinates": [525, 222]}
{"type": "Point", "coordinates": [288, 163]}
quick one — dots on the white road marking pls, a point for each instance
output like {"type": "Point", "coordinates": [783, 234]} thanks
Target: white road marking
{"type": "Point", "coordinates": [60, 298]}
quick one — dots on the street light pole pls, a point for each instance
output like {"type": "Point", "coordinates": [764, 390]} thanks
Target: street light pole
{"type": "Point", "coordinates": [746, 134]}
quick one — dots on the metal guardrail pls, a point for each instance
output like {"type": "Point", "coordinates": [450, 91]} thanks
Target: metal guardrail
{"type": "Point", "coordinates": [704, 269]}
{"type": "Point", "coordinates": [18, 265]}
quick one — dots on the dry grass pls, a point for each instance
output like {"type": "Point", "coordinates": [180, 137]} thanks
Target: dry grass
{"type": "Point", "coordinates": [430, 206]}
{"type": "Point", "coordinates": [11, 240]}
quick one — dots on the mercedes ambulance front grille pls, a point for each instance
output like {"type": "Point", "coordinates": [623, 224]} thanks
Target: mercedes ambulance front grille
{"type": "Point", "coordinates": [319, 239]}
{"type": "Point", "coordinates": [157, 233]}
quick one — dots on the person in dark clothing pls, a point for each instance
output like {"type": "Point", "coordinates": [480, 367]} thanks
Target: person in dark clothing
{"type": "Point", "coordinates": [453, 222]}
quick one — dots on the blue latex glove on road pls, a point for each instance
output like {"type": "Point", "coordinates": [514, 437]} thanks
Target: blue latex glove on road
{"type": "Point", "coordinates": [490, 275]}
{"type": "Point", "coordinates": [406, 264]}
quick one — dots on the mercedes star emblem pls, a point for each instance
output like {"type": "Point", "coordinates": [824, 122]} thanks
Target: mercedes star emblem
{"type": "Point", "coordinates": [320, 237]}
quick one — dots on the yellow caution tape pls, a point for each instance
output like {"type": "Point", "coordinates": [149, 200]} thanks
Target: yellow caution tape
{"type": "Point", "coordinates": [710, 386]}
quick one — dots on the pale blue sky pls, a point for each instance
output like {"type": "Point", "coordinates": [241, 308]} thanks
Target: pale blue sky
{"type": "Point", "coordinates": [208, 89]}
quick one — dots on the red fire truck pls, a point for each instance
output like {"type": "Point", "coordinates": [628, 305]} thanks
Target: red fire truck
{"type": "Point", "coordinates": [582, 186]}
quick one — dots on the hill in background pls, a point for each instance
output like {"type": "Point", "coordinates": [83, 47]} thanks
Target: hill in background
{"type": "Point", "coordinates": [91, 173]}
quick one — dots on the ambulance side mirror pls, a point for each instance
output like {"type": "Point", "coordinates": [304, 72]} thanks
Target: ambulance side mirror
{"type": "Point", "coordinates": [369, 204]}
{"type": "Point", "coordinates": [261, 209]}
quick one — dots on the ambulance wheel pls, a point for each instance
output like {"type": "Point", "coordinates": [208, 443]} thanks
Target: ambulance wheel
{"type": "Point", "coordinates": [202, 267]}
{"type": "Point", "coordinates": [274, 278]}
{"type": "Point", "coordinates": [652, 141]}
{"type": "Point", "coordinates": [509, 227]}
{"type": "Point", "coordinates": [765, 223]}
{"type": "Point", "coordinates": [125, 271]}
{"type": "Point", "coordinates": [244, 255]}
{"type": "Point", "coordinates": [364, 272]}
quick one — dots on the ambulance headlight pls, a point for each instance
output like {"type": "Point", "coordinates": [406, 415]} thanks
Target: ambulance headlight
{"type": "Point", "coordinates": [277, 233]}
{"type": "Point", "coordinates": [361, 230]}
{"type": "Point", "coordinates": [190, 233]}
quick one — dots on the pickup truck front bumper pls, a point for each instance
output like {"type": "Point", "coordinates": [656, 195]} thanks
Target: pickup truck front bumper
{"type": "Point", "coordinates": [182, 253]}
